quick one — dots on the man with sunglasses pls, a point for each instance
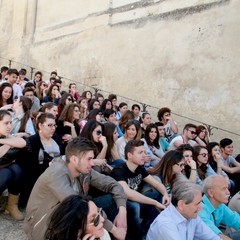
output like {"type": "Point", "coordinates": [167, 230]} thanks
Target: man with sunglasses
{"type": "Point", "coordinates": [189, 136]}
{"type": "Point", "coordinates": [73, 174]}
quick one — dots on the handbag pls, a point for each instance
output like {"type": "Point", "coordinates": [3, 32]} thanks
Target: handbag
{"type": "Point", "coordinates": [9, 157]}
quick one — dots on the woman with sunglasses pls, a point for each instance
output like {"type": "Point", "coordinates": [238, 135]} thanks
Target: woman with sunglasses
{"type": "Point", "coordinates": [203, 168]}
{"type": "Point", "coordinates": [65, 99]}
{"type": "Point", "coordinates": [93, 131]}
{"type": "Point", "coordinates": [53, 94]}
{"type": "Point", "coordinates": [132, 132]}
{"type": "Point", "coordinates": [40, 150]}
{"type": "Point", "coordinates": [10, 172]}
{"type": "Point", "coordinates": [76, 218]}
{"type": "Point", "coordinates": [95, 114]}
{"type": "Point", "coordinates": [171, 164]}
{"type": "Point", "coordinates": [41, 90]}
{"type": "Point", "coordinates": [67, 124]}
{"type": "Point", "coordinates": [22, 125]}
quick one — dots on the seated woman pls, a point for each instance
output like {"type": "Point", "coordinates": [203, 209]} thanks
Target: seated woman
{"type": "Point", "coordinates": [162, 140]}
{"type": "Point", "coordinates": [76, 218]}
{"type": "Point", "coordinates": [65, 99]}
{"type": "Point", "coordinates": [87, 95]}
{"type": "Point", "coordinates": [6, 96]}
{"type": "Point", "coordinates": [50, 107]}
{"type": "Point", "coordinates": [110, 117]}
{"type": "Point", "coordinates": [203, 168]}
{"type": "Point", "coordinates": [40, 91]}
{"type": "Point", "coordinates": [73, 91]}
{"type": "Point", "coordinates": [146, 120]}
{"type": "Point", "coordinates": [203, 134]}
{"type": "Point", "coordinates": [122, 108]}
{"type": "Point", "coordinates": [93, 131]}
{"type": "Point", "coordinates": [67, 124]}
{"type": "Point", "coordinates": [111, 134]}
{"type": "Point", "coordinates": [10, 172]}
{"type": "Point", "coordinates": [93, 104]}
{"type": "Point", "coordinates": [83, 104]}
{"type": "Point", "coordinates": [22, 125]}
{"type": "Point", "coordinates": [41, 149]}
{"type": "Point", "coordinates": [152, 147]}
{"type": "Point", "coordinates": [95, 114]}
{"type": "Point", "coordinates": [106, 104]}
{"type": "Point", "coordinates": [128, 115]}
{"type": "Point", "coordinates": [53, 94]}
{"type": "Point", "coordinates": [171, 164]}
{"type": "Point", "coordinates": [132, 131]}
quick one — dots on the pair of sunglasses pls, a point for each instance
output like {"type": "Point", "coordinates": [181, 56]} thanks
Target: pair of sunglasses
{"type": "Point", "coordinates": [96, 220]}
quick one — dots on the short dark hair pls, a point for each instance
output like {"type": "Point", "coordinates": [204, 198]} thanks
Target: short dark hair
{"type": "Point", "coordinates": [57, 81]}
{"type": "Point", "coordinates": [54, 72]}
{"type": "Point", "coordinates": [108, 112]}
{"type": "Point", "coordinates": [30, 84]}
{"type": "Point", "coordinates": [159, 124]}
{"type": "Point", "coordinates": [112, 96]}
{"type": "Point", "coordinates": [27, 89]}
{"type": "Point", "coordinates": [4, 68]}
{"type": "Point", "coordinates": [78, 146]}
{"type": "Point", "coordinates": [225, 142]}
{"type": "Point", "coordinates": [131, 145]}
{"type": "Point", "coordinates": [162, 111]}
{"type": "Point", "coordinates": [13, 71]}
{"type": "Point", "coordinates": [189, 125]}
{"type": "Point", "coordinates": [136, 106]}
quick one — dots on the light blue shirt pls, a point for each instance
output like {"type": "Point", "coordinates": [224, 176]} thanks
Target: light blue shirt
{"type": "Point", "coordinates": [171, 225]}
{"type": "Point", "coordinates": [213, 217]}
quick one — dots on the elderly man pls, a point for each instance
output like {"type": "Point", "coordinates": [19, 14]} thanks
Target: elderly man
{"type": "Point", "coordinates": [179, 221]}
{"type": "Point", "coordinates": [214, 211]}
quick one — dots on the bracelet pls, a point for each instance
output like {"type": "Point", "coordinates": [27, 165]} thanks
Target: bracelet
{"type": "Point", "coordinates": [194, 169]}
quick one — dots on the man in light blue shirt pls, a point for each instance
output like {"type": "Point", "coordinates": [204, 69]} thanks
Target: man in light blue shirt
{"type": "Point", "coordinates": [179, 221]}
{"type": "Point", "coordinates": [214, 211]}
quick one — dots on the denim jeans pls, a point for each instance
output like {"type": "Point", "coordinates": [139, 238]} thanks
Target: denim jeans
{"type": "Point", "coordinates": [107, 203]}
{"type": "Point", "coordinates": [10, 177]}
{"type": "Point", "coordinates": [116, 163]}
{"type": "Point", "coordinates": [234, 235]}
{"type": "Point", "coordinates": [140, 216]}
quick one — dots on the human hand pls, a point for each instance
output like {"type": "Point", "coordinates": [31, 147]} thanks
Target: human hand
{"type": "Point", "coordinates": [100, 162]}
{"type": "Point", "coordinates": [66, 123]}
{"type": "Point", "coordinates": [103, 141]}
{"type": "Point", "coordinates": [66, 137]}
{"type": "Point", "coordinates": [191, 163]}
{"type": "Point", "coordinates": [7, 107]}
{"type": "Point", "coordinates": [159, 206]}
{"type": "Point", "coordinates": [166, 200]}
{"type": "Point", "coordinates": [121, 218]}
{"type": "Point", "coordinates": [119, 233]}
{"type": "Point", "coordinates": [88, 237]}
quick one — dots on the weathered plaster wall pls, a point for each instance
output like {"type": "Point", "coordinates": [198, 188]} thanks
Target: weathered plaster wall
{"type": "Point", "coordinates": [183, 54]}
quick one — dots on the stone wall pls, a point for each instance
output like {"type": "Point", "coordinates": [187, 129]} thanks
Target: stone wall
{"type": "Point", "coordinates": [183, 54]}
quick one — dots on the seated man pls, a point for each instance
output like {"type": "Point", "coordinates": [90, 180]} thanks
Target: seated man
{"type": "Point", "coordinates": [179, 221]}
{"type": "Point", "coordinates": [132, 175]}
{"type": "Point", "coordinates": [74, 175]}
{"type": "Point", "coordinates": [189, 136]}
{"type": "Point", "coordinates": [214, 210]}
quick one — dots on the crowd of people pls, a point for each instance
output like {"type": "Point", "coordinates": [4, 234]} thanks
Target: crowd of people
{"type": "Point", "coordinates": [86, 167]}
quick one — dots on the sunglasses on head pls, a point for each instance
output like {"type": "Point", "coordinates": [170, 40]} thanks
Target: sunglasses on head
{"type": "Point", "coordinates": [96, 220]}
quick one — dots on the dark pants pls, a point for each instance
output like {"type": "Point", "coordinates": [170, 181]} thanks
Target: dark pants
{"type": "Point", "coordinates": [140, 216]}
{"type": "Point", "coordinates": [10, 178]}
